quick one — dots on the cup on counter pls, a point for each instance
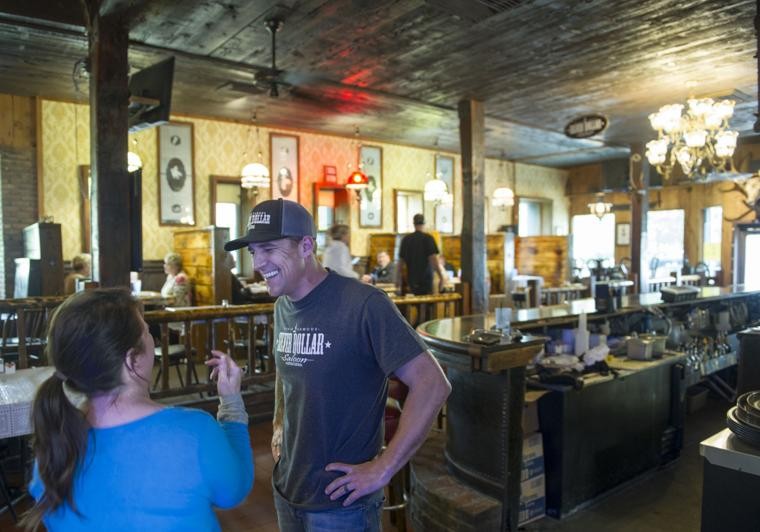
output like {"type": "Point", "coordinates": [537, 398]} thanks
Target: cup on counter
{"type": "Point", "coordinates": [136, 286]}
{"type": "Point", "coordinates": [503, 319]}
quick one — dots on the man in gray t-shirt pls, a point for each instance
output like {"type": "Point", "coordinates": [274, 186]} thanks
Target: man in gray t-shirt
{"type": "Point", "coordinates": [336, 342]}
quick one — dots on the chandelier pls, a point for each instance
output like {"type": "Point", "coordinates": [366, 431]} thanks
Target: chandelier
{"type": "Point", "coordinates": [697, 138]}
{"type": "Point", "coordinates": [600, 207]}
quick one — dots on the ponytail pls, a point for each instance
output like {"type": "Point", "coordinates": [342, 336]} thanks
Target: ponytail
{"type": "Point", "coordinates": [60, 442]}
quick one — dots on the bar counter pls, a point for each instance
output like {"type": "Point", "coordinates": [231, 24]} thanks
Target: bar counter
{"type": "Point", "coordinates": [597, 435]}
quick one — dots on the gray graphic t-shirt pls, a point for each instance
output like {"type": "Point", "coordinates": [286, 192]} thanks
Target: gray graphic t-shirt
{"type": "Point", "coordinates": [334, 350]}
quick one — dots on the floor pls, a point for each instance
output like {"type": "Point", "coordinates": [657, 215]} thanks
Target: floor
{"type": "Point", "coordinates": [667, 500]}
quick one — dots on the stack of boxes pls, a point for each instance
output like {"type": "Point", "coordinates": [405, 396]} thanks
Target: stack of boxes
{"type": "Point", "coordinates": [533, 484]}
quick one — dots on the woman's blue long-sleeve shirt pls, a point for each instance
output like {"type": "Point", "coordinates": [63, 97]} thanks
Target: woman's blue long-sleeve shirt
{"type": "Point", "coordinates": [161, 472]}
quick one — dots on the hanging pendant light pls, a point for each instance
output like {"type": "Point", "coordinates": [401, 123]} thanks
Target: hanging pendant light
{"type": "Point", "coordinates": [436, 190]}
{"type": "Point", "coordinates": [600, 207]}
{"type": "Point", "coordinates": [503, 197]}
{"type": "Point", "coordinates": [357, 180]}
{"type": "Point", "coordinates": [254, 175]}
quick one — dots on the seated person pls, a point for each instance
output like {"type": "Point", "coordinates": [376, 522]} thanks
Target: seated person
{"type": "Point", "coordinates": [384, 272]}
{"type": "Point", "coordinates": [122, 461]}
{"type": "Point", "coordinates": [80, 269]}
{"type": "Point", "coordinates": [448, 268]}
{"type": "Point", "coordinates": [178, 284]}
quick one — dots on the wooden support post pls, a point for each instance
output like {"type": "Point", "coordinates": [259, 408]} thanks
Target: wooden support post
{"type": "Point", "coordinates": [472, 141]}
{"type": "Point", "coordinates": [639, 209]}
{"type": "Point", "coordinates": [109, 98]}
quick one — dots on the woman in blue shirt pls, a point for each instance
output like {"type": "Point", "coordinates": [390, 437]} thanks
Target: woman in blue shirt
{"type": "Point", "coordinates": [123, 461]}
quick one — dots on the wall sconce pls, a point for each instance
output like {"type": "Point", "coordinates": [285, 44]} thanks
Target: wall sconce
{"type": "Point", "coordinates": [599, 208]}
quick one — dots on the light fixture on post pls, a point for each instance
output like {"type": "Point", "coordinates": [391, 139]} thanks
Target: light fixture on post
{"type": "Point", "coordinates": [134, 163]}
{"type": "Point", "coordinates": [600, 207]}
{"type": "Point", "coordinates": [696, 137]}
{"type": "Point", "coordinates": [254, 175]}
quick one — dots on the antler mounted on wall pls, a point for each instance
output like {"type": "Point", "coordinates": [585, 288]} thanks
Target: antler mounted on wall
{"type": "Point", "coordinates": [750, 190]}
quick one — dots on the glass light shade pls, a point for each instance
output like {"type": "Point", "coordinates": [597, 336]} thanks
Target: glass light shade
{"type": "Point", "coordinates": [435, 190]}
{"type": "Point", "coordinates": [725, 143]}
{"type": "Point", "coordinates": [503, 197]}
{"type": "Point", "coordinates": [725, 109]}
{"type": "Point", "coordinates": [700, 107]}
{"type": "Point", "coordinates": [670, 118]}
{"type": "Point", "coordinates": [600, 207]}
{"type": "Point", "coordinates": [358, 180]}
{"type": "Point", "coordinates": [254, 175]}
{"type": "Point", "coordinates": [448, 199]}
{"type": "Point", "coordinates": [133, 162]}
{"type": "Point", "coordinates": [656, 151]}
{"type": "Point", "coordinates": [695, 138]}
{"type": "Point", "coordinates": [685, 159]}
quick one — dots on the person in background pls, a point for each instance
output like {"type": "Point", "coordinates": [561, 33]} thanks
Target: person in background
{"type": "Point", "coordinates": [337, 256]}
{"type": "Point", "coordinates": [122, 461]}
{"type": "Point", "coordinates": [384, 272]}
{"type": "Point", "coordinates": [80, 269]}
{"type": "Point", "coordinates": [419, 258]}
{"type": "Point", "coordinates": [448, 268]}
{"type": "Point", "coordinates": [178, 284]}
{"type": "Point", "coordinates": [336, 342]}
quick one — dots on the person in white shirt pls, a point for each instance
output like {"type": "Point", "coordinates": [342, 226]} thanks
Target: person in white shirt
{"type": "Point", "coordinates": [337, 256]}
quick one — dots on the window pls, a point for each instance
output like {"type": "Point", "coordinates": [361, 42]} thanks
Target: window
{"type": "Point", "coordinates": [600, 247]}
{"type": "Point", "coordinates": [711, 237]}
{"type": "Point", "coordinates": [665, 242]}
{"type": "Point", "coordinates": [535, 217]}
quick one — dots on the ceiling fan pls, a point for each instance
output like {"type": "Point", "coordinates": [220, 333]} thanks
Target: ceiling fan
{"type": "Point", "coordinates": [265, 80]}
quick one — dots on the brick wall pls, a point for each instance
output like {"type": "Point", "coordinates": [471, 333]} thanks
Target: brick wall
{"type": "Point", "coordinates": [18, 181]}
{"type": "Point", "coordinates": [19, 207]}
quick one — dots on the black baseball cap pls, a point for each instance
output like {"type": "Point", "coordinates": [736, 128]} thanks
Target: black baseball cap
{"type": "Point", "coordinates": [275, 219]}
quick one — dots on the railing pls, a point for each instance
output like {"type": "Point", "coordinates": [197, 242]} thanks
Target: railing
{"type": "Point", "coordinates": [186, 336]}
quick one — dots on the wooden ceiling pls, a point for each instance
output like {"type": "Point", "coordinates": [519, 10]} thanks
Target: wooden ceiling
{"type": "Point", "coordinates": [397, 69]}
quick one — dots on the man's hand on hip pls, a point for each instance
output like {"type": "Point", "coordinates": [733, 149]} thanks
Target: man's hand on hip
{"type": "Point", "coordinates": [359, 480]}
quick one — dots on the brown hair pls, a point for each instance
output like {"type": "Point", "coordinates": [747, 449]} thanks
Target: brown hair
{"type": "Point", "coordinates": [88, 340]}
{"type": "Point", "coordinates": [338, 231]}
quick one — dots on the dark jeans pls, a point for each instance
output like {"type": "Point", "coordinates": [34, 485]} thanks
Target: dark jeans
{"type": "Point", "coordinates": [356, 518]}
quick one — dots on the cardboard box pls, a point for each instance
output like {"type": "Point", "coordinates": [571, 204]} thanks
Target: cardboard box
{"type": "Point", "coordinates": [530, 412]}
{"type": "Point", "coordinates": [532, 456]}
{"type": "Point", "coordinates": [532, 500]}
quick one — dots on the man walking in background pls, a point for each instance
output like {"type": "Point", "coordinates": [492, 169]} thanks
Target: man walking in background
{"type": "Point", "coordinates": [419, 258]}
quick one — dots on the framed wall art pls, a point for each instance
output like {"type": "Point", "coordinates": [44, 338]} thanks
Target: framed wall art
{"type": "Point", "coordinates": [176, 183]}
{"type": "Point", "coordinates": [284, 166]}
{"type": "Point", "coordinates": [444, 211]}
{"type": "Point", "coordinates": [371, 204]}
{"type": "Point", "coordinates": [623, 234]}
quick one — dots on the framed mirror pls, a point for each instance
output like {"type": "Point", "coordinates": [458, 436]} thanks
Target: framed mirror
{"type": "Point", "coordinates": [406, 203]}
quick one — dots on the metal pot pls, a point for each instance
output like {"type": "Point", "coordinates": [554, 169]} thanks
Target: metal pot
{"type": "Point", "coordinates": [677, 335]}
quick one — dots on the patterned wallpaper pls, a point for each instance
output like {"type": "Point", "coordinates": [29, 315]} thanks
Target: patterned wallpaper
{"type": "Point", "coordinates": [222, 147]}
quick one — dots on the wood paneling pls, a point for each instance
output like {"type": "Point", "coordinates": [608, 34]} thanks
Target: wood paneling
{"type": "Point", "coordinates": [547, 256]}
{"type": "Point", "coordinates": [202, 252]}
{"type": "Point", "coordinates": [495, 255]}
{"type": "Point", "coordinates": [17, 121]}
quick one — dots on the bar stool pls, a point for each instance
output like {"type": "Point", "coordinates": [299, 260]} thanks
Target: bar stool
{"type": "Point", "coordinates": [177, 357]}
